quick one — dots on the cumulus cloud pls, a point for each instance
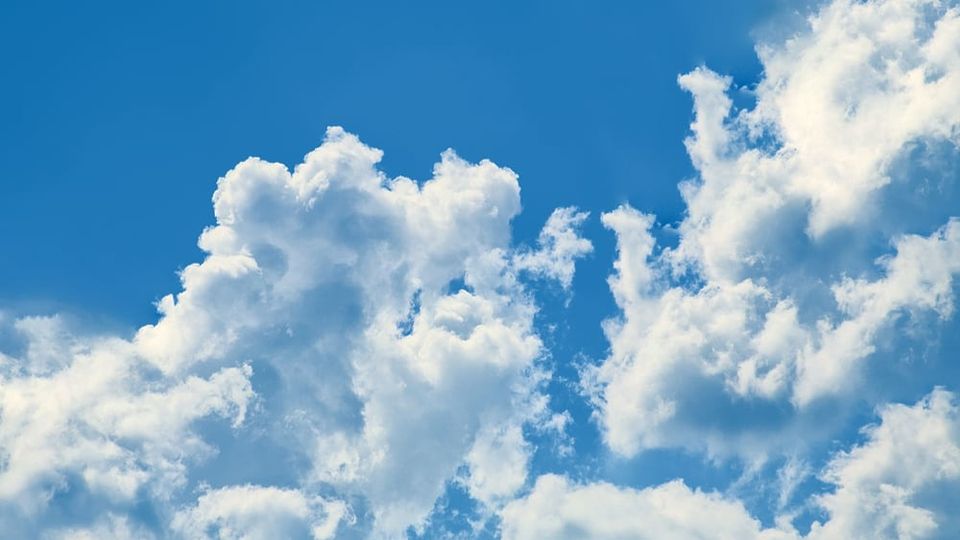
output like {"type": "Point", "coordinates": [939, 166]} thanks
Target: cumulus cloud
{"type": "Point", "coordinates": [110, 526]}
{"type": "Point", "coordinates": [919, 277]}
{"type": "Point", "coordinates": [498, 464]}
{"type": "Point", "coordinates": [811, 228]}
{"type": "Point", "coordinates": [259, 513]}
{"type": "Point", "coordinates": [555, 508]}
{"type": "Point", "coordinates": [100, 423]}
{"type": "Point", "coordinates": [560, 247]}
{"type": "Point", "coordinates": [900, 483]}
{"type": "Point", "coordinates": [376, 331]}
{"type": "Point", "coordinates": [903, 481]}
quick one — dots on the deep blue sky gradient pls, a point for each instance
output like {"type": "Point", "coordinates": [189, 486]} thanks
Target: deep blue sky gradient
{"type": "Point", "coordinates": [116, 119]}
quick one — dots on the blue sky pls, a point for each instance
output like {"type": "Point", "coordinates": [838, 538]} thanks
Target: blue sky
{"type": "Point", "coordinates": [182, 92]}
{"type": "Point", "coordinates": [704, 287]}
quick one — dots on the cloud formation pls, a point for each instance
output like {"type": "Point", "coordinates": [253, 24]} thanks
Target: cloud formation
{"type": "Point", "coordinates": [259, 513]}
{"type": "Point", "coordinates": [557, 509]}
{"type": "Point", "coordinates": [355, 349]}
{"type": "Point", "coordinates": [900, 483]}
{"type": "Point", "coordinates": [811, 229]}
{"type": "Point", "coordinates": [376, 331]}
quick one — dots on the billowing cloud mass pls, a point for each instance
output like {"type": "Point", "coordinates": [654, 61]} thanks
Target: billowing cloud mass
{"type": "Point", "coordinates": [557, 509]}
{"type": "Point", "coordinates": [820, 245]}
{"type": "Point", "coordinates": [817, 224]}
{"type": "Point", "coordinates": [902, 482]}
{"type": "Point", "coordinates": [255, 512]}
{"type": "Point", "coordinates": [366, 339]}
{"type": "Point", "coordinates": [360, 356]}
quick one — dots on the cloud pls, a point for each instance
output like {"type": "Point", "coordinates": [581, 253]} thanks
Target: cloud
{"type": "Point", "coordinates": [110, 526]}
{"type": "Point", "coordinates": [919, 277]}
{"type": "Point", "coordinates": [903, 480]}
{"type": "Point", "coordinates": [100, 423]}
{"type": "Point", "coordinates": [367, 338]}
{"type": "Point", "coordinates": [811, 229]}
{"type": "Point", "coordinates": [555, 508]}
{"type": "Point", "coordinates": [560, 247]}
{"type": "Point", "coordinates": [498, 464]}
{"type": "Point", "coordinates": [900, 483]}
{"type": "Point", "coordinates": [259, 513]}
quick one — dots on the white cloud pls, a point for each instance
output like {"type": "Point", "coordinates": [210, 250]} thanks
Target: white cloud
{"type": "Point", "coordinates": [835, 107]}
{"type": "Point", "coordinates": [774, 297]}
{"type": "Point", "coordinates": [498, 464]}
{"type": "Point", "coordinates": [847, 96]}
{"type": "Point", "coordinates": [901, 483]}
{"type": "Point", "coordinates": [100, 422]}
{"type": "Point", "coordinates": [919, 277]}
{"type": "Point", "coordinates": [560, 510]}
{"type": "Point", "coordinates": [561, 246]}
{"type": "Point", "coordinates": [259, 513]}
{"type": "Point", "coordinates": [386, 319]}
{"type": "Point", "coordinates": [111, 527]}
{"type": "Point", "coordinates": [910, 459]}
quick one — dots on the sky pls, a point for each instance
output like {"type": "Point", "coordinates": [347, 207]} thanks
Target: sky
{"type": "Point", "coordinates": [459, 270]}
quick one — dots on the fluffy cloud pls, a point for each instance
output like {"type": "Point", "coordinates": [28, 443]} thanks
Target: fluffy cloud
{"type": "Point", "coordinates": [560, 247]}
{"type": "Point", "coordinates": [903, 481]}
{"type": "Point", "coordinates": [259, 513]}
{"type": "Point", "coordinates": [100, 423]}
{"type": "Point", "coordinates": [110, 526]}
{"type": "Point", "coordinates": [376, 331]}
{"type": "Point", "coordinates": [498, 464]}
{"type": "Point", "coordinates": [838, 104]}
{"type": "Point", "coordinates": [811, 229]}
{"type": "Point", "coordinates": [900, 483]}
{"type": "Point", "coordinates": [742, 338]}
{"type": "Point", "coordinates": [558, 509]}
{"type": "Point", "coordinates": [919, 277]}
